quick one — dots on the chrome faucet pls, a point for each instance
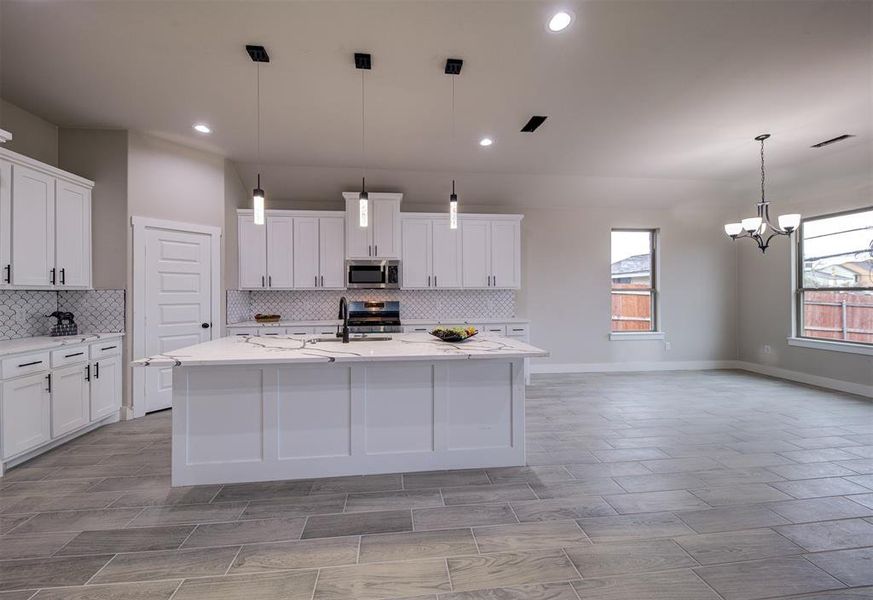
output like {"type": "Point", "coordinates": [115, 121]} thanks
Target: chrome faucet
{"type": "Point", "coordinates": [344, 315]}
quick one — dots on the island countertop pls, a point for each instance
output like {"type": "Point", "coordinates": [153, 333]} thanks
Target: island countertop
{"type": "Point", "coordinates": [242, 350]}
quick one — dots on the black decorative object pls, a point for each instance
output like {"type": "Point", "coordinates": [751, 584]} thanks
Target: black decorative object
{"type": "Point", "coordinates": [64, 325]}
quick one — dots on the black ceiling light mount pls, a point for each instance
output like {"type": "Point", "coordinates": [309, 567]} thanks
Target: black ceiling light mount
{"type": "Point", "coordinates": [453, 66]}
{"type": "Point", "coordinates": [533, 123]}
{"type": "Point", "coordinates": [363, 61]}
{"type": "Point", "coordinates": [257, 53]}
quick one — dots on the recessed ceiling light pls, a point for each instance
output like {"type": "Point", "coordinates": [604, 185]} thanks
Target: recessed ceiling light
{"type": "Point", "coordinates": [560, 21]}
{"type": "Point", "coordinates": [486, 141]}
{"type": "Point", "coordinates": [202, 128]}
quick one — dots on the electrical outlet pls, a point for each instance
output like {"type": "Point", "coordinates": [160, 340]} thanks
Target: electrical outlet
{"type": "Point", "coordinates": [667, 345]}
{"type": "Point", "coordinates": [766, 348]}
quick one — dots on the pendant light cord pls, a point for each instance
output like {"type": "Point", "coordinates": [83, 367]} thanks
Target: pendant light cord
{"type": "Point", "coordinates": [259, 114]}
{"type": "Point", "coordinates": [453, 127]}
{"type": "Point", "coordinates": [762, 171]}
{"type": "Point", "coordinates": [363, 130]}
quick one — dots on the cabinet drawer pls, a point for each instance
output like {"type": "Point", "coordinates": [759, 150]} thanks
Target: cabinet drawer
{"type": "Point", "coordinates": [242, 331]}
{"type": "Point", "coordinates": [69, 356]}
{"type": "Point", "coordinates": [417, 328]}
{"type": "Point", "coordinates": [301, 331]}
{"type": "Point", "coordinates": [24, 364]}
{"type": "Point", "coordinates": [324, 330]}
{"type": "Point", "coordinates": [493, 329]}
{"type": "Point", "coordinates": [517, 330]}
{"type": "Point", "coordinates": [105, 348]}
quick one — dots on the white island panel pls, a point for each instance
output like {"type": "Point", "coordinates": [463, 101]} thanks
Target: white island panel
{"type": "Point", "coordinates": [398, 411]}
{"type": "Point", "coordinates": [315, 412]}
{"type": "Point", "coordinates": [480, 406]}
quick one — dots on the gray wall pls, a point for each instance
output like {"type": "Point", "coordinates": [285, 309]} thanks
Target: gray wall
{"type": "Point", "coordinates": [566, 252]}
{"type": "Point", "coordinates": [101, 155]}
{"type": "Point", "coordinates": [766, 297]}
{"type": "Point", "coordinates": [31, 135]}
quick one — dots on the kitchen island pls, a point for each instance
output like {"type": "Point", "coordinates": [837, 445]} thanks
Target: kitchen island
{"type": "Point", "coordinates": [249, 408]}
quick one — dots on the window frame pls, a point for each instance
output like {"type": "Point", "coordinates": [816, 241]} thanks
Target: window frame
{"type": "Point", "coordinates": [654, 332]}
{"type": "Point", "coordinates": [797, 338]}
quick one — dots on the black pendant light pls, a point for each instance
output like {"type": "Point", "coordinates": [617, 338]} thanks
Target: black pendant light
{"type": "Point", "coordinates": [363, 62]}
{"type": "Point", "coordinates": [453, 68]}
{"type": "Point", "coordinates": [259, 55]}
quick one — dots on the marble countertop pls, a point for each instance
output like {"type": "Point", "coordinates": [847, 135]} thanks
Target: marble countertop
{"type": "Point", "coordinates": [333, 322]}
{"type": "Point", "coordinates": [45, 342]}
{"type": "Point", "coordinates": [242, 350]}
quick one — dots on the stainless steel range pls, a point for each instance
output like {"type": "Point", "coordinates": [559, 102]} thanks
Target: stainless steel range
{"type": "Point", "coordinates": [367, 316]}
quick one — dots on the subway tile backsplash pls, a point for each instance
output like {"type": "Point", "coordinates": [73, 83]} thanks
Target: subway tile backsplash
{"type": "Point", "coordinates": [22, 312]}
{"type": "Point", "coordinates": [306, 305]}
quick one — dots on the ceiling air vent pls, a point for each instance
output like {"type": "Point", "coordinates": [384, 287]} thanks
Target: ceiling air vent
{"type": "Point", "coordinates": [533, 123]}
{"type": "Point", "coordinates": [363, 61]}
{"type": "Point", "coordinates": [839, 138]}
{"type": "Point", "coordinates": [257, 53]}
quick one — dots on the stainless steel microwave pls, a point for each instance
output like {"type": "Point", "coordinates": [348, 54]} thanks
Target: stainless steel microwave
{"type": "Point", "coordinates": [373, 274]}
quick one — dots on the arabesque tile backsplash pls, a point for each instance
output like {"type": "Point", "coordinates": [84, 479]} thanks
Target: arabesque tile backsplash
{"type": "Point", "coordinates": [308, 305]}
{"type": "Point", "coordinates": [23, 312]}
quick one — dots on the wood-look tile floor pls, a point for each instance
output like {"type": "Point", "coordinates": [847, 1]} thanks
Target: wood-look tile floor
{"type": "Point", "coordinates": [674, 486]}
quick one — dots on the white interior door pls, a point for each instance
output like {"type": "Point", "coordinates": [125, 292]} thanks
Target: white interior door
{"type": "Point", "coordinates": [177, 302]}
{"type": "Point", "coordinates": [73, 234]}
{"type": "Point", "coordinates": [332, 252]}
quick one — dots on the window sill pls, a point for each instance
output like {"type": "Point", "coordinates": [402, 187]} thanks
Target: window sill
{"type": "Point", "coordinates": [832, 346]}
{"type": "Point", "coordinates": [635, 336]}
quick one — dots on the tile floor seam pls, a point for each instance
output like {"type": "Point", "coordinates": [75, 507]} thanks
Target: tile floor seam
{"type": "Point", "coordinates": [178, 587]}
{"type": "Point", "coordinates": [232, 560]}
{"type": "Point", "coordinates": [572, 564]}
{"type": "Point", "coordinates": [449, 574]}
{"type": "Point", "coordinates": [90, 579]}
{"type": "Point", "coordinates": [826, 571]}
{"type": "Point", "coordinates": [706, 583]}
{"type": "Point", "coordinates": [215, 495]}
{"type": "Point", "coordinates": [315, 584]}
{"type": "Point", "coordinates": [475, 541]}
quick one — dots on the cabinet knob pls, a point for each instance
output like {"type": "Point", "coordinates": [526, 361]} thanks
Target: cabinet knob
{"type": "Point", "coordinates": [205, 325]}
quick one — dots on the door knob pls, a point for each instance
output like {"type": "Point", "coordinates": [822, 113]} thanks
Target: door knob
{"type": "Point", "coordinates": [204, 325]}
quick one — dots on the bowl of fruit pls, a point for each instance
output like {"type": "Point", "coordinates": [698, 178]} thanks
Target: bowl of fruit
{"type": "Point", "coordinates": [454, 334]}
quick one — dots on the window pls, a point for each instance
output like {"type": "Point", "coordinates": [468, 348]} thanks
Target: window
{"type": "Point", "coordinates": [835, 277]}
{"type": "Point", "coordinates": [634, 283]}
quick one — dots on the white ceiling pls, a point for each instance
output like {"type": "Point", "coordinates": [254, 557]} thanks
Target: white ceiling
{"type": "Point", "coordinates": [633, 89]}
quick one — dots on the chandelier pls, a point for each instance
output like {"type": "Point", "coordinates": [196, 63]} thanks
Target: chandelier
{"type": "Point", "coordinates": [761, 229]}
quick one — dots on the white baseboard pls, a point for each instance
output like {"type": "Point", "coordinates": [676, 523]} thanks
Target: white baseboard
{"type": "Point", "coordinates": [816, 380]}
{"type": "Point", "coordinates": [700, 365]}
{"type": "Point", "coordinates": [631, 367]}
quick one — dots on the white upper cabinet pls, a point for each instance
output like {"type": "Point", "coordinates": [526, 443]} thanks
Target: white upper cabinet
{"type": "Point", "coordinates": [491, 252]}
{"type": "Point", "coordinates": [332, 252]}
{"type": "Point", "coordinates": [293, 250]}
{"type": "Point", "coordinates": [252, 241]}
{"type": "Point", "coordinates": [45, 226]}
{"type": "Point", "coordinates": [381, 237]}
{"type": "Point", "coordinates": [417, 253]}
{"type": "Point", "coordinates": [33, 228]}
{"type": "Point", "coordinates": [505, 254]}
{"type": "Point", "coordinates": [446, 254]}
{"type": "Point", "coordinates": [431, 252]}
{"type": "Point", "coordinates": [73, 235]}
{"type": "Point", "coordinates": [476, 256]}
{"type": "Point", "coordinates": [280, 251]}
{"type": "Point", "coordinates": [306, 252]}
{"type": "Point", "coordinates": [5, 224]}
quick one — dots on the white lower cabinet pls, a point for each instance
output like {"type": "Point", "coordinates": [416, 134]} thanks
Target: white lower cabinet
{"type": "Point", "coordinates": [26, 413]}
{"type": "Point", "coordinates": [45, 401]}
{"type": "Point", "coordinates": [69, 391]}
{"type": "Point", "coordinates": [105, 387]}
